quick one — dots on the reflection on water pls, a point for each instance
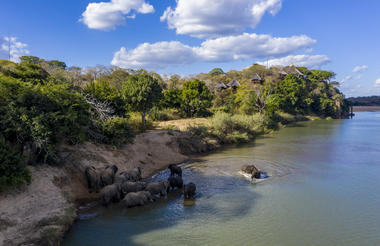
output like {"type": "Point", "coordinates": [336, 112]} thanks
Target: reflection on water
{"type": "Point", "coordinates": [321, 190]}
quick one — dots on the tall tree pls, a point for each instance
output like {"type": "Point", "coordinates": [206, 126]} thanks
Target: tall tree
{"type": "Point", "coordinates": [142, 92]}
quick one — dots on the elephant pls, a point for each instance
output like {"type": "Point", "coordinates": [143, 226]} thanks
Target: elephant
{"type": "Point", "coordinates": [111, 193]}
{"type": "Point", "coordinates": [133, 175]}
{"type": "Point", "coordinates": [139, 198]}
{"type": "Point", "coordinates": [120, 179]}
{"type": "Point", "coordinates": [250, 169]}
{"type": "Point", "coordinates": [107, 175]}
{"type": "Point", "coordinates": [259, 175]}
{"type": "Point", "coordinates": [93, 179]}
{"type": "Point", "coordinates": [129, 186]}
{"type": "Point", "coordinates": [160, 187]}
{"type": "Point", "coordinates": [175, 182]}
{"type": "Point", "coordinates": [189, 190]}
{"type": "Point", "coordinates": [174, 169]}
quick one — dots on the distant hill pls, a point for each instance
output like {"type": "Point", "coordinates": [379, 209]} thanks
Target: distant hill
{"type": "Point", "coordinates": [365, 101]}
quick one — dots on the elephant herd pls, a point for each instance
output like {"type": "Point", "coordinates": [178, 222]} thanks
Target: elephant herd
{"type": "Point", "coordinates": [129, 188]}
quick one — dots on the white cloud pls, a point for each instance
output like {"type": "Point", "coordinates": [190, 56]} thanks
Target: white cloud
{"type": "Point", "coordinates": [358, 69]}
{"type": "Point", "coordinates": [310, 61]}
{"type": "Point", "coordinates": [377, 82]}
{"type": "Point", "coordinates": [107, 15]}
{"type": "Point", "coordinates": [245, 46]}
{"type": "Point", "coordinates": [347, 78]}
{"type": "Point", "coordinates": [205, 18]}
{"type": "Point", "coordinates": [157, 55]}
{"type": "Point", "coordinates": [13, 48]}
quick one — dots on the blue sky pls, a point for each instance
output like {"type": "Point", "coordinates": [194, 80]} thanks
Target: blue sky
{"type": "Point", "coordinates": [198, 35]}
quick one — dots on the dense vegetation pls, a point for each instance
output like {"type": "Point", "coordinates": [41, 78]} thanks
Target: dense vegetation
{"type": "Point", "coordinates": [365, 101]}
{"type": "Point", "coordinates": [44, 104]}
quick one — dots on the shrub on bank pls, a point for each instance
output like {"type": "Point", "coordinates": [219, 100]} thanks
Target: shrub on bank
{"type": "Point", "coordinates": [236, 128]}
{"type": "Point", "coordinates": [117, 131]}
{"type": "Point", "coordinates": [13, 171]}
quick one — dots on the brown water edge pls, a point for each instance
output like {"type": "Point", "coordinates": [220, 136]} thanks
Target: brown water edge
{"type": "Point", "coordinates": [366, 108]}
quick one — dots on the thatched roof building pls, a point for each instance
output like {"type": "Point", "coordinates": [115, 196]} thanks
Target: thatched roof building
{"type": "Point", "coordinates": [220, 86]}
{"type": "Point", "coordinates": [257, 79]}
{"type": "Point", "coordinates": [233, 84]}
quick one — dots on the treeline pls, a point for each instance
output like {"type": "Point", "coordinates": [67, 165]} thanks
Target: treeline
{"type": "Point", "coordinates": [364, 101]}
{"type": "Point", "coordinates": [45, 103]}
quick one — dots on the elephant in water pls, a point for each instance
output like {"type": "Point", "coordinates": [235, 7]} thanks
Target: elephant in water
{"type": "Point", "coordinates": [175, 182]}
{"type": "Point", "coordinates": [111, 193]}
{"type": "Point", "coordinates": [129, 186]}
{"type": "Point", "coordinates": [160, 187]}
{"type": "Point", "coordinates": [133, 175]}
{"type": "Point", "coordinates": [259, 175]}
{"type": "Point", "coordinates": [93, 179]}
{"type": "Point", "coordinates": [189, 190]}
{"type": "Point", "coordinates": [139, 198]}
{"type": "Point", "coordinates": [174, 169]}
{"type": "Point", "coordinates": [107, 175]}
{"type": "Point", "coordinates": [250, 169]}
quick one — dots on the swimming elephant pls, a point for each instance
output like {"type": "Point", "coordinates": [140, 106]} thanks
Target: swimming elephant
{"type": "Point", "coordinates": [139, 198]}
{"type": "Point", "coordinates": [250, 169]}
{"type": "Point", "coordinates": [175, 182]}
{"type": "Point", "coordinates": [133, 175]}
{"type": "Point", "coordinates": [189, 190]}
{"type": "Point", "coordinates": [93, 179]}
{"type": "Point", "coordinates": [107, 175]}
{"type": "Point", "coordinates": [129, 186]}
{"type": "Point", "coordinates": [160, 187]}
{"type": "Point", "coordinates": [111, 193]}
{"type": "Point", "coordinates": [259, 175]}
{"type": "Point", "coordinates": [174, 169]}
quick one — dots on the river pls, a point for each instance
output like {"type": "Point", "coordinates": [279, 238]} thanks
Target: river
{"type": "Point", "coordinates": [323, 189]}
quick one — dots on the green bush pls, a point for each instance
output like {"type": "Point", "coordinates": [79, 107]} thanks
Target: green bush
{"type": "Point", "coordinates": [117, 131]}
{"type": "Point", "coordinates": [41, 115]}
{"type": "Point", "coordinates": [236, 128]}
{"type": "Point", "coordinates": [157, 114]}
{"type": "Point", "coordinates": [13, 171]}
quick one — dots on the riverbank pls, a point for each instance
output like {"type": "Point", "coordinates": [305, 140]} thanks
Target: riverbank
{"type": "Point", "coordinates": [41, 213]}
{"type": "Point", "coordinates": [366, 108]}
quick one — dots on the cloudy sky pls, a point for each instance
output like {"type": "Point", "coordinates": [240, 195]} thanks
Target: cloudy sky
{"type": "Point", "coordinates": [192, 36]}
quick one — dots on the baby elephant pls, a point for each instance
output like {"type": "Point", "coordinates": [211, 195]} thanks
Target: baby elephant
{"type": "Point", "coordinates": [175, 182]}
{"type": "Point", "coordinates": [129, 186]}
{"type": "Point", "coordinates": [111, 193]}
{"type": "Point", "coordinates": [132, 175]}
{"type": "Point", "coordinates": [159, 187]}
{"type": "Point", "coordinates": [140, 198]}
{"type": "Point", "coordinates": [189, 190]}
{"type": "Point", "coordinates": [174, 169]}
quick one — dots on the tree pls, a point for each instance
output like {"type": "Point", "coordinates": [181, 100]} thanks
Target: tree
{"type": "Point", "coordinates": [196, 98]}
{"type": "Point", "coordinates": [294, 94]}
{"type": "Point", "coordinates": [142, 92]}
{"type": "Point", "coordinates": [172, 99]}
{"type": "Point", "coordinates": [216, 71]}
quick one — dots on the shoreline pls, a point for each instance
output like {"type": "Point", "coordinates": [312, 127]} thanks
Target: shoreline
{"type": "Point", "coordinates": [366, 108]}
{"type": "Point", "coordinates": [65, 188]}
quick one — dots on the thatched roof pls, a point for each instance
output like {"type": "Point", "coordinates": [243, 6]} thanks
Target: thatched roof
{"type": "Point", "coordinates": [233, 83]}
{"type": "Point", "coordinates": [257, 77]}
{"type": "Point", "coordinates": [220, 85]}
